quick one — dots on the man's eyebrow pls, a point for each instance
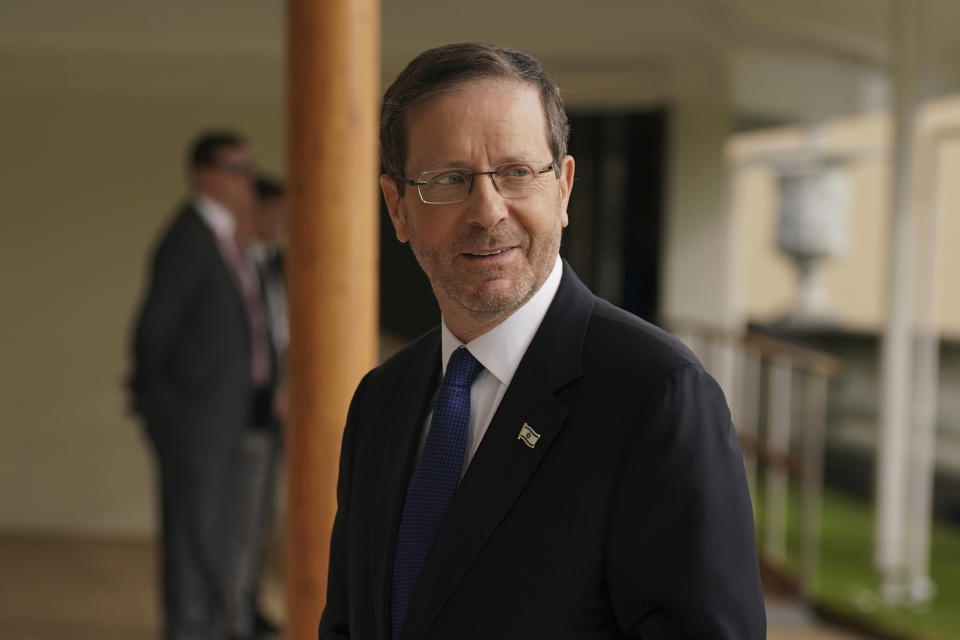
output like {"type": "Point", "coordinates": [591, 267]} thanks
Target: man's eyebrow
{"type": "Point", "coordinates": [448, 164]}
{"type": "Point", "coordinates": [523, 157]}
{"type": "Point", "coordinates": [463, 164]}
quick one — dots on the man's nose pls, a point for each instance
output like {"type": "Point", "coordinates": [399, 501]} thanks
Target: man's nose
{"type": "Point", "coordinates": [485, 205]}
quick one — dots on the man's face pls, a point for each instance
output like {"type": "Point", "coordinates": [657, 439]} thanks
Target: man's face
{"type": "Point", "coordinates": [487, 255]}
{"type": "Point", "coordinates": [229, 181]}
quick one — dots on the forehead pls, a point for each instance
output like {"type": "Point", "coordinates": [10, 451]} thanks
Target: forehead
{"type": "Point", "coordinates": [232, 151]}
{"type": "Point", "coordinates": [480, 122]}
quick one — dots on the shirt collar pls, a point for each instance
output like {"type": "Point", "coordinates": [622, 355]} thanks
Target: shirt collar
{"type": "Point", "coordinates": [501, 349]}
{"type": "Point", "coordinates": [215, 215]}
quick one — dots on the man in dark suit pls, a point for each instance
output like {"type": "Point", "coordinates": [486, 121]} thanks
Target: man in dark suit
{"type": "Point", "coordinates": [576, 475]}
{"type": "Point", "coordinates": [199, 369]}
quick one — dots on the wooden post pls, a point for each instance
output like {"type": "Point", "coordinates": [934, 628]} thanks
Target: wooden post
{"type": "Point", "coordinates": [333, 87]}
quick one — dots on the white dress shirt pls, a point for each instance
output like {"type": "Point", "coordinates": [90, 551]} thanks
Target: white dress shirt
{"type": "Point", "coordinates": [499, 351]}
{"type": "Point", "coordinates": [215, 216]}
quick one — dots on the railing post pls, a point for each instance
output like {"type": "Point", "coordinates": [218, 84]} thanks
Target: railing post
{"type": "Point", "coordinates": [748, 412]}
{"type": "Point", "coordinates": [814, 427]}
{"type": "Point", "coordinates": [776, 494]}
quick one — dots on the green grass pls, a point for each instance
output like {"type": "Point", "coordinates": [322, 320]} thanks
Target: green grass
{"type": "Point", "coordinates": [849, 585]}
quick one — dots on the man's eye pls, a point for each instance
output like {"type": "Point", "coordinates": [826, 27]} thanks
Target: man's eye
{"type": "Point", "coordinates": [516, 171]}
{"type": "Point", "coordinates": [449, 179]}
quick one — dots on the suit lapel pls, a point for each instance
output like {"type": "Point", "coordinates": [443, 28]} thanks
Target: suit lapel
{"type": "Point", "coordinates": [405, 419]}
{"type": "Point", "coordinates": [222, 262]}
{"type": "Point", "coordinates": [503, 463]}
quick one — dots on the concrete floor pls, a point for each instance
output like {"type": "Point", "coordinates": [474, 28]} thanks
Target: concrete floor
{"type": "Point", "coordinates": [93, 589]}
{"type": "Point", "coordinates": [86, 589]}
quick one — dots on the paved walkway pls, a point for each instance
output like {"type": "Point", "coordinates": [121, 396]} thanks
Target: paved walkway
{"type": "Point", "coordinates": [75, 589]}
{"type": "Point", "coordinates": [790, 621]}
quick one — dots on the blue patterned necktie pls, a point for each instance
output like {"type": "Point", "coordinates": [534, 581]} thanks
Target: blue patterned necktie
{"type": "Point", "coordinates": [434, 481]}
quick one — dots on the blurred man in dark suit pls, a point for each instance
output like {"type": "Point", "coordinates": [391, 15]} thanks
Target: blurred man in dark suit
{"type": "Point", "coordinates": [542, 465]}
{"type": "Point", "coordinates": [202, 363]}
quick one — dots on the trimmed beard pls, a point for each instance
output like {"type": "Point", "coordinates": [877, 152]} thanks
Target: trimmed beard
{"type": "Point", "coordinates": [479, 299]}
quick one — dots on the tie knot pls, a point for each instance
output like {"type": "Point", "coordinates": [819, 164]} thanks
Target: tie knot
{"type": "Point", "coordinates": [462, 369]}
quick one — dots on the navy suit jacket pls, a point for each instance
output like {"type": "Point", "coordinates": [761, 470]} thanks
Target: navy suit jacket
{"type": "Point", "coordinates": [629, 518]}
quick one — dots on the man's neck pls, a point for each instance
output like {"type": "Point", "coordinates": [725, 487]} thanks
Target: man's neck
{"type": "Point", "coordinates": [197, 195]}
{"type": "Point", "coordinates": [469, 325]}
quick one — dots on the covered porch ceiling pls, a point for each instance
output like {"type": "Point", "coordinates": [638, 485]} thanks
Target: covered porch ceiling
{"type": "Point", "coordinates": [784, 60]}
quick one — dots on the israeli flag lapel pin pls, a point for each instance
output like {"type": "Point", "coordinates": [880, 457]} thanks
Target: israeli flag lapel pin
{"type": "Point", "coordinates": [528, 436]}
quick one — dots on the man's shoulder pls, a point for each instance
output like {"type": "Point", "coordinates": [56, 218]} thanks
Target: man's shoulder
{"type": "Point", "coordinates": [583, 332]}
{"type": "Point", "coordinates": [618, 336]}
{"type": "Point", "coordinates": [185, 220]}
{"type": "Point", "coordinates": [184, 231]}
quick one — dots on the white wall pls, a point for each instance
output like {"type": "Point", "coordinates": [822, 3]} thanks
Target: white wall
{"type": "Point", "coordinates": [699, 275]}
{"type": "Point", "coordinates": [91, 167]}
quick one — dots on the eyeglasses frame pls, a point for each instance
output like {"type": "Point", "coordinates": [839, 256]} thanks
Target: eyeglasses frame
{"type": "Point", "coordinates": [473, 174]}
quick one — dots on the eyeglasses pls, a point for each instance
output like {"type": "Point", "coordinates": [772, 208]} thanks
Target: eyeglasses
{"type": "Point", "coordinates": [449, 186]}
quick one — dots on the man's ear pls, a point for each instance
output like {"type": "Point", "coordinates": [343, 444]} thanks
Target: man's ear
{"type": "Point", "coordinates": [392, 197]}
{"type": "Point", "coordinates": [567, 167]}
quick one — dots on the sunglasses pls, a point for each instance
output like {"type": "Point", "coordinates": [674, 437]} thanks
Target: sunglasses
{"type": "Point", "coordinates": [237, 168]}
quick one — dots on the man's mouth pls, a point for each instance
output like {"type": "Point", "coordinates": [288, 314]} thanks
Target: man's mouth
{"type": "Point", "coordinates": [484, 254]}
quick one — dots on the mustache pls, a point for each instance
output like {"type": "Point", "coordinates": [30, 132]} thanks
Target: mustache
{"type": "Point", "coordinates": [483, 239]}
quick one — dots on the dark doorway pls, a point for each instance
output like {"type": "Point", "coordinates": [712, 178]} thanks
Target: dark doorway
{"type": "Point", "coordinates": [617, 207]}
